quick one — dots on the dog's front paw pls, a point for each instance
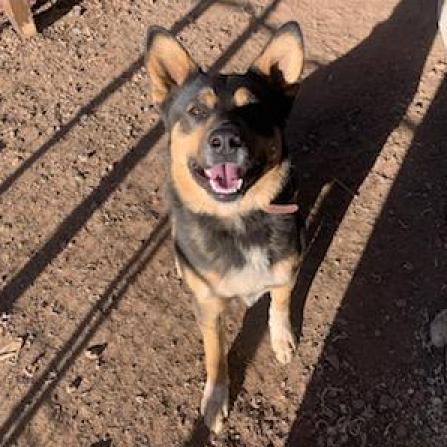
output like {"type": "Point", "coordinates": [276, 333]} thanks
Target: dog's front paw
{"type": "Point", "coordinates": [214, 406]}
{"type": "Point", "coordinates": [283, 343]}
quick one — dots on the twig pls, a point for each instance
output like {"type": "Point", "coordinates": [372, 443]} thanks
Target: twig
{"type": "Point", "coordinates": [345, 187]}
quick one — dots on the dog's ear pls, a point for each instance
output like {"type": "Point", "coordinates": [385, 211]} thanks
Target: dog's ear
{"type": "Point", "coordinates": [282, 59]}
{"type": "Point", "coordinates": [167, 63]}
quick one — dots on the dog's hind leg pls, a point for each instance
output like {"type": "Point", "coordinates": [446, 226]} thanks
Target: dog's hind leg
{"type": "Point", "coordinates": [281, 334]}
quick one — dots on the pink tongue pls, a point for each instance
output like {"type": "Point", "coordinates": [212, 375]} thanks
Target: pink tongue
{"type": "Point", "coordinates": [227, 175]}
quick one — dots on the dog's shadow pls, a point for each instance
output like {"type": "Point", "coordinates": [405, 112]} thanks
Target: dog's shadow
{"type": "Point", "coordinates": [342, 117]}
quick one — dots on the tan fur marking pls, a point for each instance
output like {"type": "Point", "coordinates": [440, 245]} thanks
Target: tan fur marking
{"type": "Point", "coordinates": [242, 96]}
{"type": "Point", "coordinates": [281, 297]}
{"type": "Point", "coordinates": [203, 285]}
{"type": "Point", "coordinates": [184, 146]}
{"type": "Point", "coordinates": [208, 97]}
{"type": "Point", "coordinates": [265, 189]}
{"type": "Point", "coordinates": [287, 267]}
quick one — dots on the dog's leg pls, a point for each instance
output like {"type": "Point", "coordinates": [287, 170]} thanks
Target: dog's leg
{"type": "Point", "coordinates": [208, 310]}
{"type": "Point", "coordinates": [214, 406]}
{"type": "Point", "coordinates": [281, 334]}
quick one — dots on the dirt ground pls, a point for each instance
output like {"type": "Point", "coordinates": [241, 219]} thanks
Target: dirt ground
{"type": "Point", "coordinates": [107, 352]}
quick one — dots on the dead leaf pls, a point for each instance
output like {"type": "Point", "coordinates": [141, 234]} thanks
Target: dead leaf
{"type": "Point", "coordinates": [11, 350]}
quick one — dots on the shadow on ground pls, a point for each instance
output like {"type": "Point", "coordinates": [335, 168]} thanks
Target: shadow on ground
{"type": "Point", "coordinates": [53, 13]}
{"type": "Point", "coordinates": [399, 285]}
{"type": "Point", "coordinates": [45, 15]}
{"type": "Point", "coordinates": [378, 393]}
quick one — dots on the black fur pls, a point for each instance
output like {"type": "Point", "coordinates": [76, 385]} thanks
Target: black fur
{"type": "Point", "coordinates": [209, 243]}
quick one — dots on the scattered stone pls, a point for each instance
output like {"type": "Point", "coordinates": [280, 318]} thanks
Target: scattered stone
{"type": "Point", "coordinates": [401, 303]}
{"type": "Point", "coordinates": [333, 361]}
{"type": "Point", "coordinates": [401, 431]}
{"type": "Point", "coordinates": [358, 404]}
{"type": "Point", "coordinates": [105, 442]}
{"type": "Point", "coordinates": [386, 402]}
{"type": "Point", "coordinates": [93, 352]}
{"type": "Point", "coordinates": [74, 385]}
{"type": "Point", "coordinates": [141, 397]}
{"type": "Point", "coordinates": [438, 329]}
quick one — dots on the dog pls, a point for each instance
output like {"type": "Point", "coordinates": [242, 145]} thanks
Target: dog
{"type": "Point", "coordinates": [235, 226]}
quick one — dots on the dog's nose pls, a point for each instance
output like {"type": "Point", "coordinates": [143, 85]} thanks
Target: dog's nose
{"type": "Point", "coordinates": [225, 140]}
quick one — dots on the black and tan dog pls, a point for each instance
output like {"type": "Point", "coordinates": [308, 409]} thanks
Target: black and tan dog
{"type": "Point", "coordinates": [229, 171]}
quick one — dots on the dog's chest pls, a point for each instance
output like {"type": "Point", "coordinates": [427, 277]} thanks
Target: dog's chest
{"type": "Point", "coordinates": [239, 258]}
{"type": "Point", "coordinates": [253, 279]}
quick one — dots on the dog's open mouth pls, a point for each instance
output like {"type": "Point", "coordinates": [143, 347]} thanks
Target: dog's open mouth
{"type": "Point", "coordinates": [225, 181]}
{"type": "Point", "coordinates": [225, 178]}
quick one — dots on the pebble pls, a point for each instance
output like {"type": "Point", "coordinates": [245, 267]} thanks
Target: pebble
{"type": "Point", "coordinates": [94, 351]}
{"type": "Point", "coordinates": [401, 431]}
{"type": "Point", "coordinates": [438, 329]}
{"type": "Point", "coordinates": [333, 361]}
{"type": "Point", "coordinates": [401, 303]}
{"type": "Point", "coordinates": [358, 404]}
{"type": "Point", "coordinates": [74, 385]}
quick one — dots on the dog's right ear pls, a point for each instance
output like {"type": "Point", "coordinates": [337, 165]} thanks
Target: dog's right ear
{"type": "Point", "coordinates": [167, 63]}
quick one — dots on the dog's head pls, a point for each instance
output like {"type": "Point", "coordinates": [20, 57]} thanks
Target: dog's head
{"type": "Point", "coordinates": [226, 130]}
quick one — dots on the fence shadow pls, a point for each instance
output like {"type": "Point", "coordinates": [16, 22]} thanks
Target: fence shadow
{"type": "Point", "coordinates": [48, 380]}
{"type": "Point", "coordinates": [52, 14]}
{"type": "Point", "coordinates": [47, 17]}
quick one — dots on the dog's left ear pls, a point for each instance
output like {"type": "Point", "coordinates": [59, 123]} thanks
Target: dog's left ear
{"type": "Point", "coordinates": [282, 59]}
{"type": "Point", "coordinates": [168, 64]}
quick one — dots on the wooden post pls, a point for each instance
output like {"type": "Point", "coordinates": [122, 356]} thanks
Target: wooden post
{"type": "Point", "coordinates": [19, 14]}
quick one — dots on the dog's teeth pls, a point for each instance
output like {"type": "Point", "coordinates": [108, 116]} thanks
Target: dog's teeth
{"type": "Point", "coordinates": [217, 188]}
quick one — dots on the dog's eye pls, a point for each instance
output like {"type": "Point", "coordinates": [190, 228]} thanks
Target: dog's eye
{"type": "Point", "coordinates": [197, 111]}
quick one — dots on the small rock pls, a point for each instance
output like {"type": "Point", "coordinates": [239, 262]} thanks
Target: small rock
{"type": "Point", "coordinates": [333, 361]}
{"type": "Point", "coordinates": [401, 303]}
{"type": "Point", "coordinates": [141, 397]}
{"type": "Point", "coordinates": [436, 401]}
{"type": "Point", "coordinates": [438, 329]}
{"type": "Point", "coordinates": [74, 385]}
{"type": "Point", "coordinates": [93, 352]}
{"type": "Point", "coordinates": [105, 442]}
{"type": "Point", "coordinates": [386, 402]}
{"type": "Point", "coordinates": [401, 431]}
{"type": "Point", "coordinates": [82, 158]}
{"type": "Point", "coordinates": [358, 404]}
